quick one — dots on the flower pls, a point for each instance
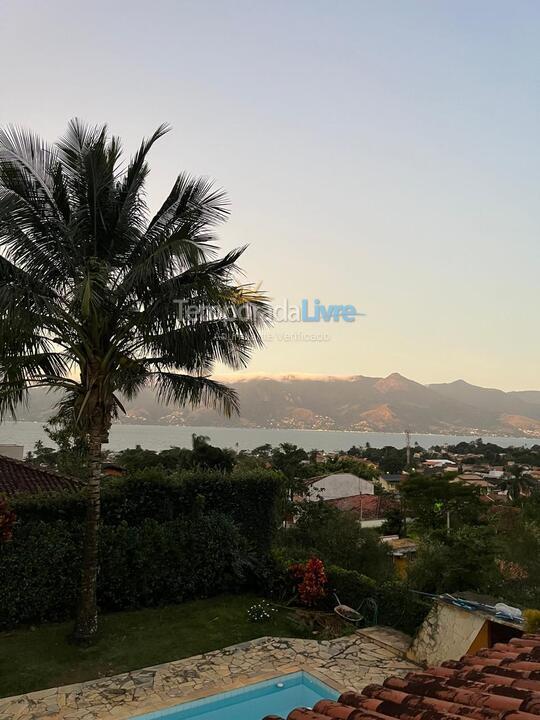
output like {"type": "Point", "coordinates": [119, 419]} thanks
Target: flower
{"type": "Point", "coordinates": [260, 612]}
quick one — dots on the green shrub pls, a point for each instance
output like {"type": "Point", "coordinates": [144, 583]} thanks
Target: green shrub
{"type": "Point", "coordinates": [397, 606]}
{"type": "Point", "coordinates": [159, 563]}
{"type": "Point", "coordinates": [338, 539]}
{"type": "Point", "coordinates": [39, 571]}
{"type": "Point", "coordinates": [140, 566]}
{"type": "Point", "coordinates": [163, 540]}
{"type": "Point", "coordinates": [351, 587]}
{"type": "Point", "coordinates": [250, 500]}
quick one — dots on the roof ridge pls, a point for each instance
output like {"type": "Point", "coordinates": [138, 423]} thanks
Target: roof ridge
{"type": "Point", "coordinates": [31, 466]}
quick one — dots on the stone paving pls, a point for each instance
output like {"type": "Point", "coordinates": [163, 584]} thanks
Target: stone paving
{"type": "Point", "coordinates": [346, 663]}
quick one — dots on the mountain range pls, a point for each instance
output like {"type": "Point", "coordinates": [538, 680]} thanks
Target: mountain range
{"type": "Point", "coordinates": [389, 404]}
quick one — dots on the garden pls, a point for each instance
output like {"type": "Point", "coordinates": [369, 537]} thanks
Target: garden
{"type": "Point", "coordinates": [189, 562]}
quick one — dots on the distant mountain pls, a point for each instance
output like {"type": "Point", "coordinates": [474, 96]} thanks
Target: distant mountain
{"type": "Point", "coordinates": [393, 403]}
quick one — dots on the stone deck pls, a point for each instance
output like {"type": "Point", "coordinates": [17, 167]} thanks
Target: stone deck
{"type": "Point", "coordinates": [346, 663]}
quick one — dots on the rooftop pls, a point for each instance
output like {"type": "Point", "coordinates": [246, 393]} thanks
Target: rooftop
{"type": "Point", "coordinates": [502, 683]}
{"type": "Point", "coordinates": [371, 507]}
{"type": "Point", "coordinates": [18, 477]}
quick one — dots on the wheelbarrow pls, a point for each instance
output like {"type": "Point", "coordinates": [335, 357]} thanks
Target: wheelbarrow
{"type": "Point", "coordinates": [365, 613]}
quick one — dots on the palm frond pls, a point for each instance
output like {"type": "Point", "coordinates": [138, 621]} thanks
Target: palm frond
{"type": "Point", "coordinates": [195, 390]}
{"type": "Point", "coordinates": [26, 162]}
{"type": "Point", "coordinates": [89, 284]}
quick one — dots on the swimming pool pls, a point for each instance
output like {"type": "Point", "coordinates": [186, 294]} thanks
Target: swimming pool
{"type": "Point", "coordinates": [277, 696]}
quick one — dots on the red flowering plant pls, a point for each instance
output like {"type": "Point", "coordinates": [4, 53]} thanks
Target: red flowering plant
{"type": "Point", "coordinates": [310, 579]}
{"type": "Point", "coordinates": [7, 520]}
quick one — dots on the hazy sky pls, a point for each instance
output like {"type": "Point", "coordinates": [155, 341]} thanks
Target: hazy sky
{"type": "Point", "coordinates": [380, 154]}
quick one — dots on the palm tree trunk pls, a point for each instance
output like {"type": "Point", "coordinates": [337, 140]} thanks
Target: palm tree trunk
{"type": "Point", "coordinates": [86, 623]}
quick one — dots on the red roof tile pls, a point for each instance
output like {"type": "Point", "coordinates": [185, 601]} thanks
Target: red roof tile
{"type": "Point", "coordinates": [371, 507]}
{"type": "Point", "coordinates": [499, 683]}
{"type": "Point", "coordinates": [18, 477]}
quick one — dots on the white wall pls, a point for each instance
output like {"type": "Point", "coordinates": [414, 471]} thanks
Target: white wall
{"type": "Point", "coordinates": [16, 452]}
{"type": "Point", "coordinates": [340, 485]}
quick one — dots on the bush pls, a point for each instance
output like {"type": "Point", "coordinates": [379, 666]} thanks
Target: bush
{"type": "Point", "coordinates": [337, 538]}
{"type": "Point", "coordinates": [250, 500]}
{"type": "Point", "coordinates": [310, 579]}
{"type": "Point", "coordinates": [163, 540]}
{"type": "Point", "coordinates": [148, 565]}
{"type": "Point", "coordinates": [351, 587]}
{"type": "Point", "coordinates": [40, 571]}
{"type": "Point", "coordinates": [160, 563]}
{"type": "Point", "coordinates": [397, 606]}
{"type": "Point", "coordinates": [462, 560]}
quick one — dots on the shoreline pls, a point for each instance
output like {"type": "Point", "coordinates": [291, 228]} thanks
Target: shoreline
{"type": "Point", "coordinates": [160, 437]}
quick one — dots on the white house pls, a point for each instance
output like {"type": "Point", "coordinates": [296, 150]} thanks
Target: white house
{"type": "Point", "coordinates": [338, 485]}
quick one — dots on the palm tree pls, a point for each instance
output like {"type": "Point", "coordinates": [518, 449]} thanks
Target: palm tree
{"type": "Point", "coordinates": [516, 483]}
{"type": "Point", "coordinates": [90, 291]}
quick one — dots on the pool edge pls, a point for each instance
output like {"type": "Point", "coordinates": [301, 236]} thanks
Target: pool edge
{"type": "Point", "coordinates": [238, 684]}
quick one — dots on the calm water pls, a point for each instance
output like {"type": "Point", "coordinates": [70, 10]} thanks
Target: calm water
{"type": "Point", "coordinates": [277, 696]}
{"type": "Point", "coordinates": [161, 437]}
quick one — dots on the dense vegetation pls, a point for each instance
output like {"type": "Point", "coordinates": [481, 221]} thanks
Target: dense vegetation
{"type": "Point", "coordinates": [164, 539]}
{"type": "Point", "coordinates": [204, 517]}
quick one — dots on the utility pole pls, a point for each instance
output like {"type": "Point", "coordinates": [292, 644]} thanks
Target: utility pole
{"type": "Point", "coordinates": [408, 436]}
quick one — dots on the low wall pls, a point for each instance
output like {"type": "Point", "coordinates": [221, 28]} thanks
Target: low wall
{"type": "Point", "coordinates": [447, 633]}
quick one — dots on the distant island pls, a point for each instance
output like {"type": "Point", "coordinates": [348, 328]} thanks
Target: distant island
{"type": "Point", "coordinates": [356, 403]}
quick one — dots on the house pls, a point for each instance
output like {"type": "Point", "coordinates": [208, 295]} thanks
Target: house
{"type": "Point", "coordinates": [495, 475]}
{"type": "Point", "coordinates": [366, 507]}
{"type": "Point", "coordinates": [475, 480]}
{"type": "Point", "coordinates": [338, 485]}
{"type": "Point", "coordinates": [12, 451]}
{"type": "Point", "coordinates": [403, 551]}
{"type": "Point", "coordinates": [18, 478]}
{"type": "Point", "coordinates": [440, 464]}
{"type": "Point", "coordinates": [113, 470]}
{"type": "Point", "coordinates": [391, 481]}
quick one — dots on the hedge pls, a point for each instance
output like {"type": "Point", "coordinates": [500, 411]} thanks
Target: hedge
{"type": "Point", "coordinates": [397, 606]}
{"type": "Point", "coordinates": [148, 565]}
{"type": "Point", "coordinates": [250, 500]}
{"type": "Point", "coordinates": [162, 540]}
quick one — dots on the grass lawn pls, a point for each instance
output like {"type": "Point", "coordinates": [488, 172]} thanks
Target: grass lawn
{"type": "Point", "coordinates": [39, 658]}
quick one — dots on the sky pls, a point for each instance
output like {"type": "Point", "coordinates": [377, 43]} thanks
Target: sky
{"type": "Point", "coordinates": [377, 154]}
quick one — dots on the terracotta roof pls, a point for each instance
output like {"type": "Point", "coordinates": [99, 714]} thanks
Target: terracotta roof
{"type": "Point", "coordinates": [17, 477]}
{"type": "Point", "coordinates": [502, 683]}
{"type": "Point", "coordinates": [371, 507]}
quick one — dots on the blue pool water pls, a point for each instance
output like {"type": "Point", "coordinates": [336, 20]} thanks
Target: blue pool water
{"type": "Point", "coordinates": [277, 696]}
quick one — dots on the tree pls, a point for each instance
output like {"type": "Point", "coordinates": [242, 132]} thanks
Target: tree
{"type": "Point", "coordinates": [517, 483]}
{"type": "Point", "coordinates": [337, 538]}
{"type": "Point", "coordinates": [433, 501]}
{"type": "Point", "coordinates": [262, 451]}
{"type": "Point", "coordinates": [463, 560]}
{"type": "Point", "coordinates": [208, 457]}
{"type": "Point", "coordinates": [289, 458]}
{"type": "Point", "coordinates": [97, 299]}
{"type": "Point", "coordinates": [70, 457]}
